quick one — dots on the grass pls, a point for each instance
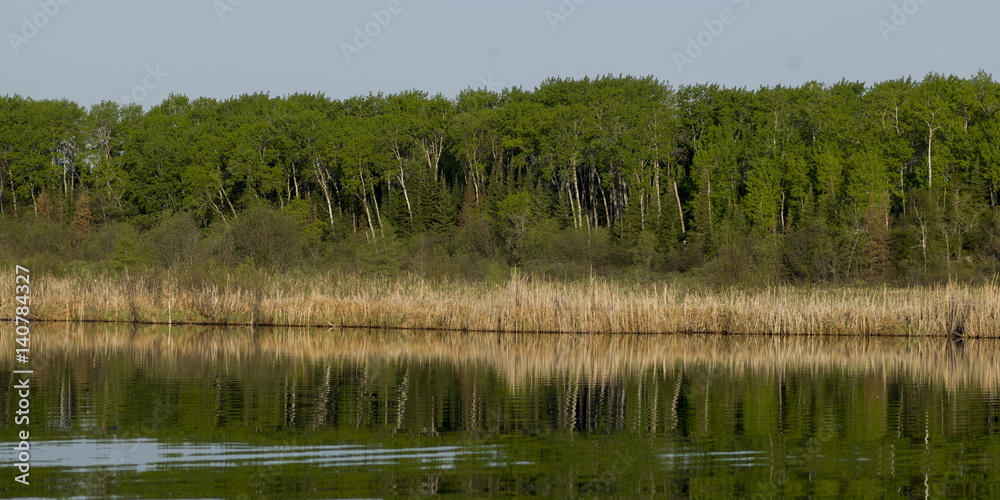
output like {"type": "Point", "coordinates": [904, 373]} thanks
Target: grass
{"type": "Point", "coordinates": [520, 304]}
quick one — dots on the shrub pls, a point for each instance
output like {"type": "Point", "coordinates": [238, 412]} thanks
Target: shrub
{"type": "Point", "coordinates": [267, 238]}
{"type": "Point", "coordinates": [173, 239]}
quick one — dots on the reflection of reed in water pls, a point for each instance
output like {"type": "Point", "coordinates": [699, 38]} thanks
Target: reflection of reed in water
{"type": "Point", "coordinates": [518, 305]}
{"type": "Point", "coordinates": [524, 359]}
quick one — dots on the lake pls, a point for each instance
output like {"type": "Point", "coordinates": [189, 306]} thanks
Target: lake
{"type": "Point", "coordinates": [203, 412]}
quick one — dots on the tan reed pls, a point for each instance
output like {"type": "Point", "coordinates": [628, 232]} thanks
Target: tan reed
{"type": "Point", "coordinates": [521, 304]}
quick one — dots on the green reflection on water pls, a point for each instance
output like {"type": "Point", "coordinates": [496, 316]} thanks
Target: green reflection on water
{"type": "Point", "coordinates": [294, 413]}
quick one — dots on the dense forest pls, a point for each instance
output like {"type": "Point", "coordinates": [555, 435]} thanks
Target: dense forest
{"type": "Point", "coordinates": [893, 182]}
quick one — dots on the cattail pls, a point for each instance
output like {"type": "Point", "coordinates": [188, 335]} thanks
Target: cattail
{"type": "Point", "coordinates": [523, 304]}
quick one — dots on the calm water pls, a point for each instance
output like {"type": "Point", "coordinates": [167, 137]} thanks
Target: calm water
{"type": "Point", "coordinates": [199, 412]}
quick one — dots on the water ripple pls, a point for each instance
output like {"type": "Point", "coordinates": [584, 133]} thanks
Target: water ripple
{"type": "Point", "coordinates": [141, 454]}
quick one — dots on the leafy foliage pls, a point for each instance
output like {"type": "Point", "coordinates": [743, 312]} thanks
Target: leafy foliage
{"type": "Point", "coordinates": [676, 178]}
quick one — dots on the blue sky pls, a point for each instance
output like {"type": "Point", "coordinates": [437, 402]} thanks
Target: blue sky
{"type": "Point", "coordinates": [144, 50]}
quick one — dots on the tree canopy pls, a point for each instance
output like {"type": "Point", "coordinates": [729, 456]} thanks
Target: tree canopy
{"type": "Point", "coordinates": [816, 182]}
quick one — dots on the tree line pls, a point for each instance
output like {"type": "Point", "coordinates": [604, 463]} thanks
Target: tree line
{"type": "Point", "coordinates": [892, 181]}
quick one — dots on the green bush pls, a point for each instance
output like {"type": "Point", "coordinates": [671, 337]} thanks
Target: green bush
{"type": "Point", "coordinates": [312, 227]}
{"type": "Point", "coordinates": [478, 235]}
{"type": "Point", "coordinates": [384, 255]}
{"type": "Point", "coordinates": [129, 250]}
{"type": "Point", "coordinates": [173, 240]}
{"type": "Point", "coordinates": [267, 237]}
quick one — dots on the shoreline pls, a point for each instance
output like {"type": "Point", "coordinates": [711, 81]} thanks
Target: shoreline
{"type": "Point", "coordinates": [522, 304]}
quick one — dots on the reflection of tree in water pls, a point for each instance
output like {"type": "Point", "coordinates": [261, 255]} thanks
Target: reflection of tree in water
{"type": "Point", "coordinates": [67, 402]}
{"type": "Point", "coordinates": [426, 384]}
{"type": "Point", "coordinates": [590, 406]}
{"type": "Point", "coordinates": [631, 415]}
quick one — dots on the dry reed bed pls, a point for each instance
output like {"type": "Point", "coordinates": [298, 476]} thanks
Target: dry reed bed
{"type": "Point", "coordinates": [528, 359]}
{"type": "Point", "coordinates": [521, 304]}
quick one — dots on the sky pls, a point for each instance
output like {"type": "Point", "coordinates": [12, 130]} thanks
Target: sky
{"type": "Point", "coordinates": [142, 50]}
